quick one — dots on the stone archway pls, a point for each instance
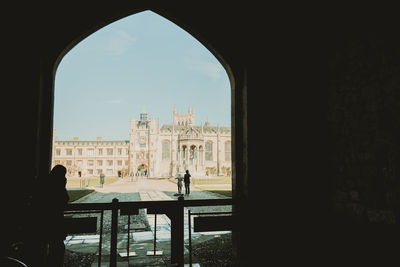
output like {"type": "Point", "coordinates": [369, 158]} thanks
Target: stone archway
{"type": "Point", "coordinates": [193, 155]}
{"type": "Point", "coordinates": [142, 169]}
{"type": "Point", "coordinates": [106, 21]}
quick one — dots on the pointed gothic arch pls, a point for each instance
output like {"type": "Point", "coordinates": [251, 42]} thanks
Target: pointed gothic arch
{"type": "Point", "coordinates": [186, 27]}
{"type": "Point", "coordinates": [51, 53]}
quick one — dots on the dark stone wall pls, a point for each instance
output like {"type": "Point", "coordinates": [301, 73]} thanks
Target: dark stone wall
{"type": "Point", "coordinates": [279, 58]}
{"type": "Point", "coordinates": [364, 124]}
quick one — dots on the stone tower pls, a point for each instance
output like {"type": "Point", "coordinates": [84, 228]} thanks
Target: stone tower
{"type": "Point", "coordinates": [184, 119]}
{"type": "Point", "coordinates": [142, 143]}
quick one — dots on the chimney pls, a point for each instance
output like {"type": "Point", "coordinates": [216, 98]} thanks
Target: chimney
{"type": "Point", "coordinates": [99, 138]}
{"type": "Point", "coordinates": [76, 138]}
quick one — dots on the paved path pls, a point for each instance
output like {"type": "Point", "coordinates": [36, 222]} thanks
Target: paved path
{"type": "Point", "coordinates": [141, 240]}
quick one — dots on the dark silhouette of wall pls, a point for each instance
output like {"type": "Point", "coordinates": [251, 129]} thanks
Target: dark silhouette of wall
{"type": "Point", "coordinates": [316, 124]}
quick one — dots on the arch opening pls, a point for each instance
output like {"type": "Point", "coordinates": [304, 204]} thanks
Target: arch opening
{"type": "Point", "coordinates": [144, 145]}
{"type": "Point", "coordinates": [188, 137]}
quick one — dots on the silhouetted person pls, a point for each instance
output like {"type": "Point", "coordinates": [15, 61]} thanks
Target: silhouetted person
{"type": "Point", "coordinates": [102, 179]}
{"type": "Point", "coordinates": [180, 179]}
{"type": "Point", "coordinates": [53, 201]}
{"type": "Point", "coordinates": [186, 180]}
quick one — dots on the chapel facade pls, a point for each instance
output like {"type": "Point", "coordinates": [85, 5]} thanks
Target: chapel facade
{"type": "Point", "coordinates": [152, 150]}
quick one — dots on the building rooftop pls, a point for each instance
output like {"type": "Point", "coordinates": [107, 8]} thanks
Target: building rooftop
{"type": "Point", "coordinates": [83, 142]}
{"type": "Point", "coordinates": [206, 129]}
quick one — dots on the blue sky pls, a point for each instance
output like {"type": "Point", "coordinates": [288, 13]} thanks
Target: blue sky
{"type": "Point", "coordinates": [140, 63]}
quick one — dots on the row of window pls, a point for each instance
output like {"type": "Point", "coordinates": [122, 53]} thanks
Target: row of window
{"type": "Point", "coordinates": [91, 151]}
{"type": "Point", "coordinates": [166, 151]}
{"type": "Point", "coordinates": [80, 163]}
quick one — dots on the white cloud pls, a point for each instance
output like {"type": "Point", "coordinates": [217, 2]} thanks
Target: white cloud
{"type": "Point", "coordinates": [119, 43]}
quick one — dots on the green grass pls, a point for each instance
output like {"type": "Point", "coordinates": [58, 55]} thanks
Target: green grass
{"type": "Point", "coordinates": [212, 184]}
{"type": "Point", "coordinates": [216, 180]}
{"type": "Point", "coordinates": [207, 181]}
{"type": "Point", "coordinates": [226, 193]}
{"type": "Point", "coordinates": [92, 181]}
{"type": "Point", "coordinates": [77, 194]}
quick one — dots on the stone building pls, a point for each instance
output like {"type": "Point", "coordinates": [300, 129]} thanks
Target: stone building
{"type": "Point", "coordinates": [153, 150]}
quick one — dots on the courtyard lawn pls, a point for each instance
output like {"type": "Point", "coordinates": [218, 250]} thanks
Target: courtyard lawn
{"type": "Point", "coordinates": [77, 194]}
{"type": "Point", "coordinates": [227, 193]}
{"type": "Point", "coordinates": [220, 185]}
{"type": "Point", "coordinates": [73, 182]}
{"type": "Point", "coordinates": [212, 180]}
{"type": "Point", "coordinates": [208, 181]}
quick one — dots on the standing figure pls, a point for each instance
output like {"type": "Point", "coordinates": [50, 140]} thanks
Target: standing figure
{"type": "Point", "coordinates": [102, 176]}
{"type": "Point", "coordinates": [180, 179]}
{"type": "Point", "coordinates": [186, 180]}
{"type": "Point", "coordinates": [53, 199]}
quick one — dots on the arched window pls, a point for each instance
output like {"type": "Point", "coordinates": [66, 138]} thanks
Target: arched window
{"type": "Point", "coordinates": [209, 151]}
{"type": "Point", "coordinates": [227, 149]}
{"type": "Point", "coordinates": [193, 154]}
{"type": "Point", "coordinates": [166, 150]}
{"type": "Point", "coordinates": [201, 152]}
{"type": "Point", "coordinates": [184, 153]}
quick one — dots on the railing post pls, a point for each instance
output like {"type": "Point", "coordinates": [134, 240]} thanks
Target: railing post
{"type": "Point", "coordinates": [155, 233]}
{"type": "Point", "coordinates": [177, 233]}
{"type": "Point", "coordinates": [114, 233]}
{"type": "Point", "coordinates": [101, 237]}
{"type": "Point", "coordinates": [129, 237]}
{"type": "Point", "coordinates": [190, 238]}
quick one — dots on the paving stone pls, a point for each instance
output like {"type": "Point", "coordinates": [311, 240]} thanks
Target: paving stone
{"type": "Point", "coordinates": [142, 236]}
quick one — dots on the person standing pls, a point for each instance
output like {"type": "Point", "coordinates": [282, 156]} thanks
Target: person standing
{"type": "Point", "coordinates": [102, 176]}
{"type": "Point", "coordinates": [186, 180]}
{"type": "Point", "coordinates": [52, 201]}
{"type": "Point", "coordinates": [180, 179]}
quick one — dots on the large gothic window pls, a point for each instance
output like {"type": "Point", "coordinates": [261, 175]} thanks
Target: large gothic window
{"type": "Point", "coordinates": [184, 152]}
{"type": "Point", "coordinates": [209, 151]}
{"type": "Point", "coordinates": [201, 152]}
{"type": "Point", "coordinates": [193, 154]}
{"type": "Point", "coordinates": [166, 150]}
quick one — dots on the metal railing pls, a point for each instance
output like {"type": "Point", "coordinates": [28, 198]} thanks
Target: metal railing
{"type": "Point", "coordinates": [101, 211]}
{"type": "Point", "coordinates": [226, 225]}
{"type": "Point", "coordinates": [174, 209]}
